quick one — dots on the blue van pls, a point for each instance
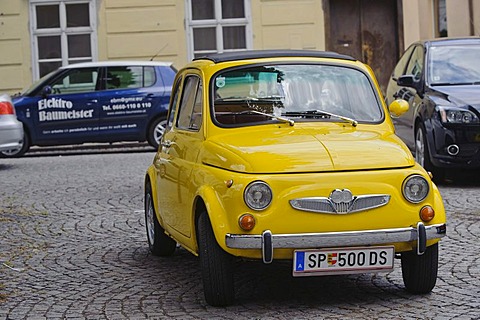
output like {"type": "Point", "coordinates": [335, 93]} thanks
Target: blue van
{"type": "Point", "coordinates": [96, 102]}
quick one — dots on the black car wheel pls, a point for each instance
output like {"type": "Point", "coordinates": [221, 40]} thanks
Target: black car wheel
{"type": "Point", "coordinates": [216, 265]}
{"type": "Point", "coordinates": [422, 155]}
{"type": "Point", "coordinates": [420, 272]}
{"type": "Point", "coordinates": [16, 153]}
{"type": "Point", "coordinates": [158, 242]}
{"type": "Point", "coordinates": [156, 131]}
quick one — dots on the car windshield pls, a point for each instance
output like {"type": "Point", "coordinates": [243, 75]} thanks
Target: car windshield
{"type": "Point", "coordinates": [294, 92]}
{"type": "Point", "coordinates": [454, 65]}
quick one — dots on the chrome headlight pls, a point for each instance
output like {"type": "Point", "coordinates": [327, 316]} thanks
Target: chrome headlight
{"type": "Point", "coordinates": [415, 188]}
{"type": "Point", "coordinates": [257, 195]}
{"type": "Point", "coordinates": [456, 115]}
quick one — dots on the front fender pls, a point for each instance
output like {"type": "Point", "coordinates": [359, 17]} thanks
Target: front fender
{"type": "Point", "coordinates": [216, 212]}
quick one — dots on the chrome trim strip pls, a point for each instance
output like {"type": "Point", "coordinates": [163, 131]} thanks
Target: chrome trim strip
{"type": "Point", "coordinates": [328, 205]}
{"type": "Point", "coordinates": [335, 239]}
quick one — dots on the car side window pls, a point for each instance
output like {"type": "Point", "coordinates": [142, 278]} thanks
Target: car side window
{"type": "Point", "coordinates": [415, 65]}
{"type": "Point", "coordinates": [125, 77]}
{"type": "Point", "coordinates": [402, 63]}
{"type": "Point", "coordinates": [76, 81]}
{"type": "Point", "coordinates": [190, 113]}
{"type": "Point", "coordinates": [173, 104]}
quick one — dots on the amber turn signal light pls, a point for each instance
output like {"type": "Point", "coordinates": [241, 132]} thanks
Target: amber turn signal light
{"type": "Point", "coordinates": [246, 222]}
{"type": "Point", "coordinates": [427, 213]}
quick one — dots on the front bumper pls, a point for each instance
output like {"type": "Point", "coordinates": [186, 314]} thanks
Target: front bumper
{"type": "Point", "coordinates": [268, 241]}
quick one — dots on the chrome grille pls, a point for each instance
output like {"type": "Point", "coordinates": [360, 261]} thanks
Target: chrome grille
{"type": "Point", "coordinates": [326, 205]}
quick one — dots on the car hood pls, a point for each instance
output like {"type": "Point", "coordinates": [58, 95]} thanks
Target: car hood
{"type": "Point", "coordinates": [296, 150]}
{"type": "Point", "coordinates": [460, 95]}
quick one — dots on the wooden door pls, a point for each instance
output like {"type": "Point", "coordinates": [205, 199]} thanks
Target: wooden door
{"type": "Point", "coordinates": [368, 30]}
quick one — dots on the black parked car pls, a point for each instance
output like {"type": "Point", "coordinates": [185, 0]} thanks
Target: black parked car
{"type": "Point", "coordinates": [441, 81]}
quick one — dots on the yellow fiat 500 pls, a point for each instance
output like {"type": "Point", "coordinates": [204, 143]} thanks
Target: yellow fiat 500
{"type": "Point", "coordinates": [289, 155]}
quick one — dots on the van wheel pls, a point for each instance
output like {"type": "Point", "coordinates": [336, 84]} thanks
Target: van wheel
{"type": "Point", "coordinates": [420, 272]}
{"type": "Point", "coordinates": [158, 242]}
{"type": "Point", "coordinates": [156, 131]}
{"type": "Point", "coordinates": [17, 153]}
{"type": "Point", "coordinates": [216, 266]}
{"type": "Point", "coordinates": [422, 155]}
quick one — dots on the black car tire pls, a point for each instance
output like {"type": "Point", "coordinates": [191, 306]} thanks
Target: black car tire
{"type": "Point", "coordinates": [422, 154]}
{"type": "Point", "coordinates": [158, 242]}
{"type": "Point", "coordinates": [216, 266]}
{"type": "Point", "coordinates": [156, 131]}
{"type": "Point", "coordinates": [420, 272]}
{"type": "Point", "coordinates": [17, 153]}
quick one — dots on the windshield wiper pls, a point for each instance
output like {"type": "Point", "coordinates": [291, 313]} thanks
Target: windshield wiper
{"type": "Point", "coordinates": [279, 118]}
{"type": "Point", "coordinates": [272, 98]}
{"type": "Point", "coordinates": [316, 113]}
{"type": "Point", "coordinates": [473, 83]}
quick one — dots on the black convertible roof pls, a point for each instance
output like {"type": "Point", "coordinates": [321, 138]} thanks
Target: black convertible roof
{"type": "Point", "coordinates": [258, 54]}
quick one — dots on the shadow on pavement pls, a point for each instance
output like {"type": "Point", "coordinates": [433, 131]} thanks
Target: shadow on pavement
{"type": "Point", "coordinates": [461, 178]}
{"type": "Point", "coordinates": [91, 148]}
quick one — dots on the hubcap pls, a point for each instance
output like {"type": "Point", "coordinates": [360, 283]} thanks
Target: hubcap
{"type": "Point", "coordinates": [159, 131]}
{"type": "Point", "coordinates": [420, 148]}
{"type": "Point", "coordinates": [12, 152]}
{"type": "Point", "coordinates": [149, 214]}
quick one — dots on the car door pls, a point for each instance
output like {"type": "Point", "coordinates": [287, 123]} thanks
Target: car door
{"type": "Point", "coordinates": [127, 98]}
{"type": "Point", "coordinates": [414, 66]}
{"type": "Point", "coordinates": [66, 110]}
{"type": "Point", "coordinates": [178, 153]}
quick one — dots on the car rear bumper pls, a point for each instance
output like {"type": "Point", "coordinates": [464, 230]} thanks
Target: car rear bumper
{"type": "Point", "coordinates": [268, 241]}
{"type": "Point", "coordinates": [11, 133]}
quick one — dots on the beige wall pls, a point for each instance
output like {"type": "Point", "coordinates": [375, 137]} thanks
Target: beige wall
{"type": "Point", "coordinates": [283, 24]}
{"type": "Point", "coordinates": [476, 17]}
{"type": "Point", "coordinates": [15, 58]}
{"type": "Point", "coordinates": [458, 18]}
{"type": "Point", "coordinates": [140, 29]}
{"type": "Point", "coordinates": [419, 19]}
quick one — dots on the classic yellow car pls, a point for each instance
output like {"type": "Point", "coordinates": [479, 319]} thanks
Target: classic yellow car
{"type": "Point", "coordinates": [289, 155]}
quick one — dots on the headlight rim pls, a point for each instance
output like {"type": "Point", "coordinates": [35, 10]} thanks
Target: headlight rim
{"type": "Point", "coordinates": [408, 179]}
{"type": "Point", "coordinates": [248, 188]}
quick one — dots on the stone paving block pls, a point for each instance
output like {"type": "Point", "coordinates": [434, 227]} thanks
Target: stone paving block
{"type": "Point", "coordinates": [75, 226]}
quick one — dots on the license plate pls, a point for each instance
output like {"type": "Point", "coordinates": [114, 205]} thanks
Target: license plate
{"type": "Point", "coordinates": [343, 261]}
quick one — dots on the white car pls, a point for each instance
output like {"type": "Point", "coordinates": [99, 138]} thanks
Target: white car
{"type": "Point", "coordinates": [11, 130]}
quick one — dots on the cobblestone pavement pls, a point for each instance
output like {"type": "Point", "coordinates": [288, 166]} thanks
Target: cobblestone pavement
{"type": "Point", "coordinates": [73, 246]}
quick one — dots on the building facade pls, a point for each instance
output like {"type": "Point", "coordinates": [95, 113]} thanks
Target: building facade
{"type": "Point", "coordinates": [37, 36]}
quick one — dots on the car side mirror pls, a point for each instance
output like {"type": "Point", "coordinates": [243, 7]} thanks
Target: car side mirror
{"type": "Point", "coordinates": [46, 91]}
{"type": "Point", "coordinates": [407, 81]}
{"type": "Point", "coordinates": [398, 107]}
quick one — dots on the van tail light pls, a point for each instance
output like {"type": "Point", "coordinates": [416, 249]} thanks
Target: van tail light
{"type": "Point", "coordinates": [6, 108]}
